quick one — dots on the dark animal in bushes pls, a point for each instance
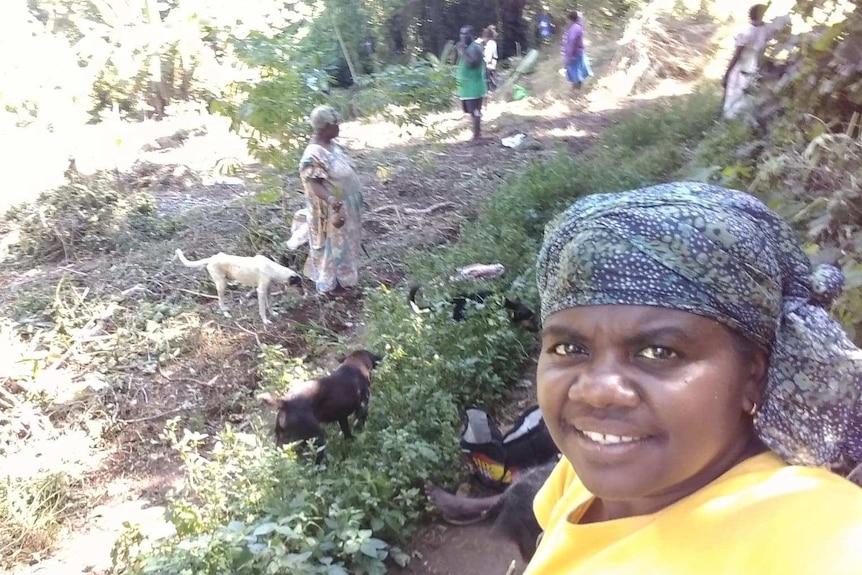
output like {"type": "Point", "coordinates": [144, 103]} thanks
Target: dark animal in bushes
{"type": "Point", "coordinates": [307, 406]}
{"type": "Point", "coordinates": [512, 510]}
{"type": "Point", "coordinates": [519, 312]}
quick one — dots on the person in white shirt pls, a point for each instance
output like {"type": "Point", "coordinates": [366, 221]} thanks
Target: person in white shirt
{"type": "Point", "coordinates": [490, 40]}
{"type": "Point", "coordinates": [743, 67]}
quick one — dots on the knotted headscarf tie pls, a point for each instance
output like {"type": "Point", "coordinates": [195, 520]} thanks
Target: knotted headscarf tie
{"type": "Point", "coordinates": [721, 254]}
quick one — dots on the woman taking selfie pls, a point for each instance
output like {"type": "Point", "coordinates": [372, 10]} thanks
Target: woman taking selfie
{"type": "Point", "coordinates": [705, 403]}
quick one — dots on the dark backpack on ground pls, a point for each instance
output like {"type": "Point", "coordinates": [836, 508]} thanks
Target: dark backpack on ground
{"type": "Point", "coordinates": [496, 459]}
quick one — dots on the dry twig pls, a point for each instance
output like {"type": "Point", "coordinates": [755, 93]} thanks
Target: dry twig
{"type": "Point", "coordinates": [206, 295]}
{"type": "Point", "coordinates": [256, 338]}
{"type": "Point", "coordinates": [151, 417]}
{"type": "Point", "coordinates": [417, 211]}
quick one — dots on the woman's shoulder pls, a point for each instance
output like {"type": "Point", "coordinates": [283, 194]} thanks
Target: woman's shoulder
{"type": "Point", "coordinates": [313, 149]}
{"type": "Point", "coordinates": [561, 493]}
{"type": "Point", "coordinates": [777, 518]}
{"type": "Point", "coordinates": [767, 474]}
{"type": "Point", "coordinates": [773, 496]}
{"type": "Point", "coordinates": [315, 154]}
{"type": "Point", "coordinates": [743, 36]}
{"type": "Point", "coordinates": [813, 486]}
{"type": "Point", "coordinates": [808, 520]}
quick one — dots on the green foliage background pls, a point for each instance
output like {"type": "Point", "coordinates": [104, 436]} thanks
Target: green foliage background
{"type": "Point", "coordinates": [800, 149]}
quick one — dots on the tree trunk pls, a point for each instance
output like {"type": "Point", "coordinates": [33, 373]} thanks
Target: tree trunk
{"type": "Point", "coordinates": [513, 28]}
{"type": "Point", "coordinates": [158, 101]}
{"type": "Point", "coordinates": [347, 58]}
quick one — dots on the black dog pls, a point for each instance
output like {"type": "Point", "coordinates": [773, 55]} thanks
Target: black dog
{"type": "Point", "coordinates": [514, 511]}
{"type": "Point", "coordinates": [307, 406]}
{"type": "Point", "coordinates": [520, 313]}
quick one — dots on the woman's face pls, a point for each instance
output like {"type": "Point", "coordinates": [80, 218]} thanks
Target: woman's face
{"type": "Point", "coordinates": [331, 131]}
{"type": "Point", "coordinates": [648, 404]}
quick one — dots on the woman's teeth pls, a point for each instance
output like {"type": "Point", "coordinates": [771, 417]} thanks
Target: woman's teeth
{"type": "Point", "coordinates": [607, 439]}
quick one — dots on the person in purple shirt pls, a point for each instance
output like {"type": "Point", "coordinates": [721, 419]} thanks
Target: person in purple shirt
{"type": "Point", "coordinates": [574, 56]}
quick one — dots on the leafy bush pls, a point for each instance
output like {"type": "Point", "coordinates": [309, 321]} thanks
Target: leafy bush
{"type": "Point", "coordinates": [248, 506]}
{"type": "Point", "coordinates": [724, 157]}
{"type": "Point", "coordinates": [405, 94]}
{"type": "Point", "coordinates": [817, 190]}
{"type": "Point", "coordinates": [276, 108]}
{"type": "Point", "coordinates": [88, 214]}
{"type": "Point", "coordinates": [798, 148]}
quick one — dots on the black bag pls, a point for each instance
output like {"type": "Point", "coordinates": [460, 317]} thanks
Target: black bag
{"type": "Point", "coordinates": [496, 459]}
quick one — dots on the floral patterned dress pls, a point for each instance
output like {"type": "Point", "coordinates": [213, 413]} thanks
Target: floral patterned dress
{"type": "Point", "coordinates": [332, 252]}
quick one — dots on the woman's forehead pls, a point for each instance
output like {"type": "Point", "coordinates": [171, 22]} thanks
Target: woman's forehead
{"type": "Point", "coordinates": [631, 319]}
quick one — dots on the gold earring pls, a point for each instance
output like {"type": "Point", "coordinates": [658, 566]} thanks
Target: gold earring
{"type": "Point", "coordinates": [753, 411]}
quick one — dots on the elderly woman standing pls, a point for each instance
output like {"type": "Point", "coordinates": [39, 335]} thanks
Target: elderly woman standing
{"type": "Point", "coordinates": [704, 401]}
{"type": "Point", "coordinates": [334, 200]}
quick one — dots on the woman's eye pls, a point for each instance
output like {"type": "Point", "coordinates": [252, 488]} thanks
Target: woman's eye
{"type": "Point", "coordinates": [658, 352]}
{"type": "Point", "coordinates": [568, 349]}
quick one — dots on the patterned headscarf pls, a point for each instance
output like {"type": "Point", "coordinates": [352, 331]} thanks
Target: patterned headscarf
{"type": "Point", "coordinates": [323, 116]}
{"type": "Point", "coordinates": [721, 254]}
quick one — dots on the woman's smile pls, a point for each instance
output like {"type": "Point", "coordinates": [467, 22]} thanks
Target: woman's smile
{"type": "Point", "coordinates": [609, 442]}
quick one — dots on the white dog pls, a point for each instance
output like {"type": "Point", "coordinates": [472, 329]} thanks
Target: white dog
{"type": "Point", "coordinates": [257, 271]}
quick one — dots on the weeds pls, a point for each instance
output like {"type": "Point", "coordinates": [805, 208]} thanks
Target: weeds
{"type": "Point", "coordinates": [808, 176]}
{"type": "Point", "coordinates": [31, 511]}
{"type": "Point", "coordinates": [73, 351]}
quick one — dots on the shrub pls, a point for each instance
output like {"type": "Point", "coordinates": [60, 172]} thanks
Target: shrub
{"type": "Point", "coordinates": [275, 108]}
{"type": "Point", "coordinates": [404, 94]}
{"type": "Point", "coordinates": [647, 147]}
{"type": "Point", "coordinates": [88, 214]}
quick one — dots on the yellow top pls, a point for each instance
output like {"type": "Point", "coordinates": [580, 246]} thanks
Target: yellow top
{"type": "Point", "coordinates": [762, 517]}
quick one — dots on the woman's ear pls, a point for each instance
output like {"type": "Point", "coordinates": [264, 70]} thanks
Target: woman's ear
{"type": "Point", "coordinates": [758, 363]}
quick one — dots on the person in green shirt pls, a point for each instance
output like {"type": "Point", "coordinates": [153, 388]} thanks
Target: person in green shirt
{"type": "Point", "coordinates": [471, 77]}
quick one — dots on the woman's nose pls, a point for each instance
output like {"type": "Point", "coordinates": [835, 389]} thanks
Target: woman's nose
{"type": "Point", "coordinates": [602, 384]}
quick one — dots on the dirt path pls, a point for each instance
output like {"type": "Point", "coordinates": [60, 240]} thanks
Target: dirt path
{"type": "Point", "coordinates": [129, 470]}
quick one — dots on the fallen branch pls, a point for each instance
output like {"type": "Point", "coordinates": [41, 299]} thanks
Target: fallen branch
{"type": "Point", "coordinates": [198, 293]}
{"type": "Point", "coordinates": [135, 289]}
{"type": "Point", "coordinates": [187, 379]}
{"type": "Point", "coordinates": [92, 329]}
{"type": "Point", "coordinates": [72, 270]}
{"type": "Point", "coordinates": [257, 339]}
{"type": "Point", "coordinates": [418, 211]}
{"type": "Point", "coordinates": [151, 417]}
{"type": "Point", "coordinates": [7, 400]}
